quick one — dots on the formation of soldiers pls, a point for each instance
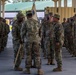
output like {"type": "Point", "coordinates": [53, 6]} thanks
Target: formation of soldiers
{"type": "Point", "coordinates": [4, 31]}
{"type": "Point", "coordinates": [32, 36]}
{"type": "Point", "coordinates": [70, 34]}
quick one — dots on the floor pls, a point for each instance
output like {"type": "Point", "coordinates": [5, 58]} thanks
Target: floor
{"type": "Point", "coordinates": [6, 63]}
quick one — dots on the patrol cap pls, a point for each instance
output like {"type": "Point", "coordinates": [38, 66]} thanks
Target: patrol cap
{"type": "Point", "coordinates": [28, 12]}
{"type": "Point", "coordinates": [56, 16]}
{"type": "Point", "coordinates": [20, 15]}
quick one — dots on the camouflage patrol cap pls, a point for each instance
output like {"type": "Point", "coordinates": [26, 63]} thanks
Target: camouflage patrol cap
{"type": "Point", "coordinates": [20, 15]}
{"type": "Point", "coordinates": [28, 12]}
{"type": "Point", "coordinates": [56, 16]}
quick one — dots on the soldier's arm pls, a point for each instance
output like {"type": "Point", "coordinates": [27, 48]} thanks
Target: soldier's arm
{"type": "Point", "coordinates": [23, 30]}
{"type": "Point", "coordinates": [14, 32]}
{"type": "Point", "coordinates": [59, 33]}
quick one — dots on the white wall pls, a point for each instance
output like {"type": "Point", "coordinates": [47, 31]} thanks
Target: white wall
{"type": "Point", "coordinates": [13, 14]}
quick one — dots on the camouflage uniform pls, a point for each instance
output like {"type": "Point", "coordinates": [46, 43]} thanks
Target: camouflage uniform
{"type": "Point", "coordinates": [49, 43]}
{"type": "Point", "coordinates": [6, 33]}
{"type": "Point", "coordinates": [1, 33]}
{"type": "Point", "coordinates": [17, 41]}
{"type": "Point", "coordinates": [44, 23]}
{"type": "Point", "coordinates": [30, 33]}
{"type": "Point", "coordinates": [74, 35]}
{"type": "Point", "coordinates": [65, 35]}
{"type": "Point", "coordinates": [64, 26]}
{"type": "Point", "coordinates": [58, 42]}
{"type": "Point", "coordinates": [69, 35]}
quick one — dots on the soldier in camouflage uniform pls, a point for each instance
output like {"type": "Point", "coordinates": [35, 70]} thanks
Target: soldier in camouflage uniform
{"type": "Point", "coordinates": [64, 23]}
{"type": "Point", "coordinates": [30, 34]}
{"type": "Point", "coordinates": [49, 40]}
{"type": "Point", "coordinates": [74, 34]}
{"type": "Point", "coordinates": [6, 32]}
{"type": "Point", "coordinates": [58, 41]}
{"type": "Point", "coordinates": [17, 39]}
{"type": "Point", "coordinates": [69, 34]}
{"type": "Point", "coordinates": [43, 26]}
{"type": "Point", "coordinates": [66, 31]}
{"type": "Point", "coordinates": [1, 33]}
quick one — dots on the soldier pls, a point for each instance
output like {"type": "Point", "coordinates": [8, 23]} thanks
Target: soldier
{"type": "Point", "coordinates": [6, 32]}
{"type": "Point", "coordinates": [49, 40]}
{"type": "Point", "coordinates": [44, 23]}
{"type": "Point", "coordinates": [64, 23]}
{"type": "Point", "coordinates": [1, 33]}
{"type": "Point", "coordinates": [69, 34]}
{"type": "Point", "coordinates": [74, 34]}
{"type": "Point", "coordinates": [17, 40]}
{"type": "Point", "coordinates": [30, 34]}
{"type": "Point", "coordinates": [58, 41]}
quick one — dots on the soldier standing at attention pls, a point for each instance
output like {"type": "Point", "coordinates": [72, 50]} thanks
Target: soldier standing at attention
{"type": "Point", "coordinates": [7, 30]}
{"type": "Point", "coordinates": [43, 26]}
{"type": "Point", "coordinates": [30, 34]}
{"type": "Point", "coordinates": [58, 41]}
{"type": "Point", "coordinates": [64, 23]}
{"type": "Point", "coordinates": [49, 40]}
{"type": "Point", "coordinates": [17, 40]}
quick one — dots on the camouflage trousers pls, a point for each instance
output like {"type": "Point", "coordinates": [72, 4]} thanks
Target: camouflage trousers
{"type": "Point", "coordinates": [0, 44]}
{"type": "Point", "coordinates": [5, 40]}
{"type": "Point", "coordinates": [16, 46]}
{"type": "Point", "coordinates": [74, 47]}
{"type": "Point", "coordinates": [58, 56]}
{"type": "Point", "coordinates": [32, 52]}
{"type": "Point", "coordinates": [43, 47]}
{"type": "Point", "coordinates": [49, 48]}
{"type": "Point", "coordinates": [70, 45]}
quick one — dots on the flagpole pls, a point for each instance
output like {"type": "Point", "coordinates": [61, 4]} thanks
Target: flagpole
{"type": "Point", "coordinates": [34, 11]}
{"type": "Point", "coordinates": [33, 1]}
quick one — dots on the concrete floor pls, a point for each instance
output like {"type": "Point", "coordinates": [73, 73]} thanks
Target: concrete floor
{"type": "Point", "coordinates": [6, 63]}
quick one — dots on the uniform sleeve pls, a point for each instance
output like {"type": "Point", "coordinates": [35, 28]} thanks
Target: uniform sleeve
{"type": "Point", "coordinates": [23, 30]}
{"type": "Point", "coordinates": [7, 28]}
{"type": "Point", "coordinates": [14, 32]}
